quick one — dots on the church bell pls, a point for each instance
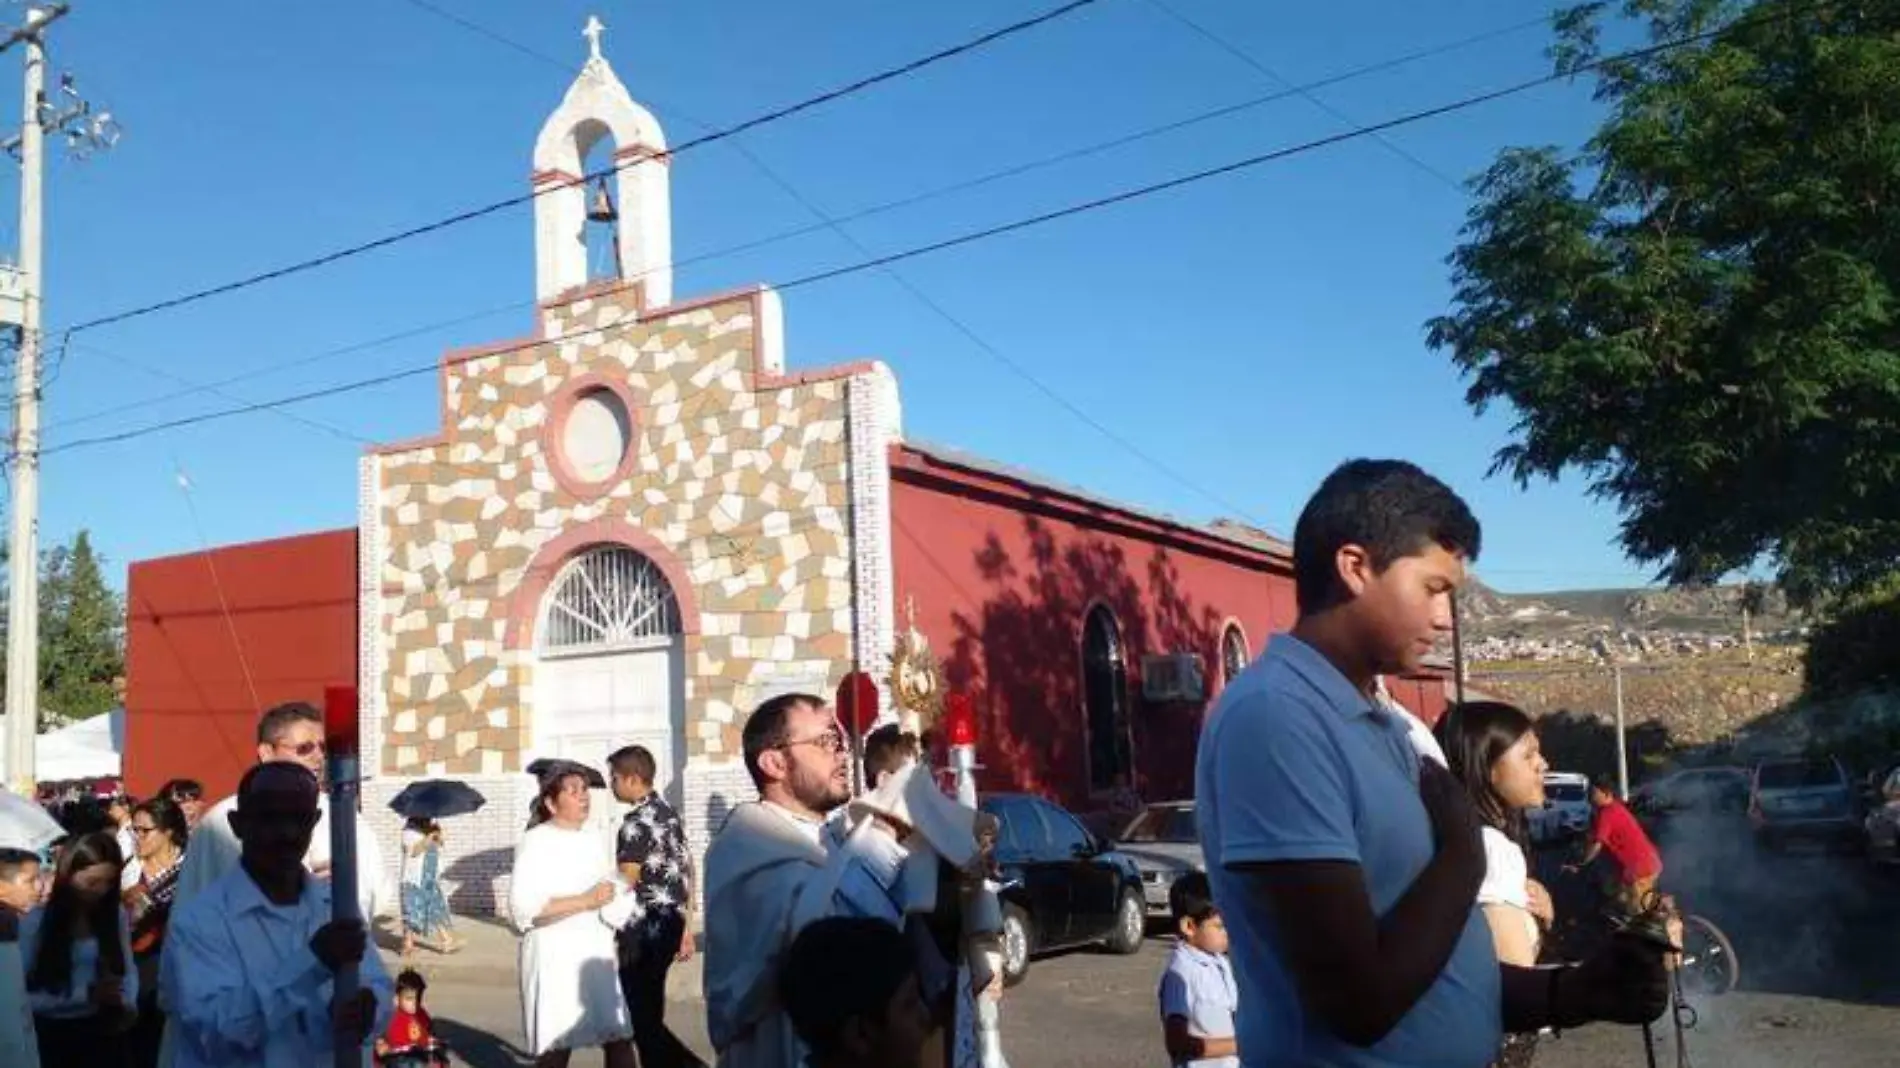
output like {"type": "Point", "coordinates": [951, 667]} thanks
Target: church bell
{"type": "Point", "coordinates": [601, 209]}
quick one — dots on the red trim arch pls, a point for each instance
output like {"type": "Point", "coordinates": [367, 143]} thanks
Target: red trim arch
{"type": "Point", "coordinates": [524, 608]}
{"type": "Point", "coordinates": [555, 427]}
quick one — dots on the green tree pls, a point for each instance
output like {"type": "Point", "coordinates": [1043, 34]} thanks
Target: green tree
{"type": "Point", "coordinates": [82, 635]}
{"type": "Point", "coordinates": [1700, 311]}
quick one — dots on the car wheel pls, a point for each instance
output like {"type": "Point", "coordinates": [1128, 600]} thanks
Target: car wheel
{"type": "Point", "coordinates": [1018, 936]}
{"type": "Point", "coordinates": [1131, 925]}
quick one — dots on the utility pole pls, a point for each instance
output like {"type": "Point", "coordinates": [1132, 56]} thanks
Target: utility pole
{"type": "Point", "coordinates": [1622, 743]}
{"type": "Point", "coordinates": [20, 305]}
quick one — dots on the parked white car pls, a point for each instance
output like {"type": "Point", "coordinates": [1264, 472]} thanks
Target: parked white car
{"type": "Point", "coordinates": [1566, 811]}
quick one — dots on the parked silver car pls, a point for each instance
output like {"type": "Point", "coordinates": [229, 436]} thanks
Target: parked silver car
{"type": "Point", "coordinates": [1805, 800]}
{"type": "Point", "coordinates": [1165, 844]}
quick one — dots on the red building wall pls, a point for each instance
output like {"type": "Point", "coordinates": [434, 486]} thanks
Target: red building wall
{"type": "Point", "coordinates": [1002, 573]}
{"type": "Point", "coordinates": [192, 700]}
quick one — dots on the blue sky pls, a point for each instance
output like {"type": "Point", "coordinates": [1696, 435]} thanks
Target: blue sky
{"type": "Point", "coordinates": [1245, 334]}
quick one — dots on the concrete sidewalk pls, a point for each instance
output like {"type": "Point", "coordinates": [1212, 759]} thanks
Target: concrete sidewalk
{"type": "Point", "coordinates": [491, 954]}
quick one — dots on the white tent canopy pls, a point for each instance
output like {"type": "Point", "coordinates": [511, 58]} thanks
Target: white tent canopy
{"type": "Point", "coordinates": [88, 749]}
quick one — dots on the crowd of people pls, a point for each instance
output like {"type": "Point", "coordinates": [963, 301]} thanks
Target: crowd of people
{"type": "Point", "coordinates": [1367, 900]}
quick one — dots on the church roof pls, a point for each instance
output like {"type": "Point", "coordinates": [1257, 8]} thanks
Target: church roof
{"type": "Point", "coordinates": [1238, 535]}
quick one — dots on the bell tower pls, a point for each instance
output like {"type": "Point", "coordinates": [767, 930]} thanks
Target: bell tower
{"type": "Point", "coordinates": [598, 107]}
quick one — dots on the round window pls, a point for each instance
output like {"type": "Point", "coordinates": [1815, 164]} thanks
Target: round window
{"type": "Point", "coordinates": [596, 435]}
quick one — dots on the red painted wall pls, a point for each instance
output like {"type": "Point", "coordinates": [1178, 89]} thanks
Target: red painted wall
{"type": "Point", "coordinates": [190, 711]}
{"type": "Point", "coordinates": [1001, 588]}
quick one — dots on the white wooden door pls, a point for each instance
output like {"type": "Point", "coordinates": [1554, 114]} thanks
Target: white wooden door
{"type": "Point", "coordinates": [586, 707]}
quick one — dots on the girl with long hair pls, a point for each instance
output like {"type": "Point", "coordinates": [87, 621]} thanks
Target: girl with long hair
{"type": "Point", "coordinates": [567, 900]}
{"type": "Point", "coordinates": [1492, 748]}
{"type": "Point", "coordinates": [80, 978]}
{"type": "Point", "coordinates": [159, 833]}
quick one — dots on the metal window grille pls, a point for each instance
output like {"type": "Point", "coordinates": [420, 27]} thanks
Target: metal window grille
{"type": "Point", "coordinates": [610, 598]}
{"type": "Point", "coordinates": [1233, 652]}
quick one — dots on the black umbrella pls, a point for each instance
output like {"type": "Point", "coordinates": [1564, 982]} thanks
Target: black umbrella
{"type": "Point", "coordinates": [548, 767]}
{"type": "Point", "coordinates": [434, 799]}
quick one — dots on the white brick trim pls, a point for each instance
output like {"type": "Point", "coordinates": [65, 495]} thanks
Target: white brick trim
{"type": "Point", "coordinates": [873, 427]}
{"type": "Point", "coordinates": [371, 551]}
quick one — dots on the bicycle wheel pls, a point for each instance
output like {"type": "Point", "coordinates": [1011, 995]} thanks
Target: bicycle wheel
{"type": "Point", "coordinates": [1709, 965]}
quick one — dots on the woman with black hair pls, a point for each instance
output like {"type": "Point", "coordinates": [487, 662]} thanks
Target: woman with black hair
{"type": "Point", "coordinates": [150, 883]}
{"type": "Point", "coordinates": [1492, 749]}
{"type": "Point", "coordinates": [80, 977]}
{"type": "Point", "coordinates": [567, 901]}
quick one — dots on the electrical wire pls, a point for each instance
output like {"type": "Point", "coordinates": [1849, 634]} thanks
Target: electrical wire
{"type": "Point", "coordinates": [916, 293]}
{"type": "Point", "coordinates": [912, 200]}
{"type": "Point", "coordinates": [1308, 95]}
{"type": "Point", "coordinates": [483, 211]}
{"type": "Point", "coordinates": [972, 237]}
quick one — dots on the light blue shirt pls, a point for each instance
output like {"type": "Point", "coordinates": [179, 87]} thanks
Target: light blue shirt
{"type": "Point", "coordinates": [1199, 988]}
{"type": "Point", "coordinates": [1297, 765]}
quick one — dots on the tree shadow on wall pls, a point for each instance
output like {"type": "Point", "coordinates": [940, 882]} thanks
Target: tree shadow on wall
{"type": "Point", "coordinates": [1019, 656]}
{"type": "Point", "coordinates": [1585, 742]}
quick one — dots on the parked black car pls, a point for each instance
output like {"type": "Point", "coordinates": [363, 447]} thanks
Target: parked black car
{"type": "Point", "coordinates": [1065, 886]}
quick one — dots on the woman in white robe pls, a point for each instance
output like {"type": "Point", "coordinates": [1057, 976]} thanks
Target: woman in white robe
{"type": "Point", "coordinates": [567, 901]}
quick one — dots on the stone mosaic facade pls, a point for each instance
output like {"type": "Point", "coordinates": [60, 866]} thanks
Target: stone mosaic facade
{"type": "Point", "coordinates": [740, 485]}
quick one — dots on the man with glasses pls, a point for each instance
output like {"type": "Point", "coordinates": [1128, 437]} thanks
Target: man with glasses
{"type": "Point", "coordinates": [289, 733]}
{"type": "Point", "coordinates": [769, 873]}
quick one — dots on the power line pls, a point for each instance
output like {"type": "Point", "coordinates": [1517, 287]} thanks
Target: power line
{"type": "Point", "coordinates": [912, 200]}
{"type": "Point", "coordinates": [1308, 95]}
{"type": "Point", "coordinates": [314, 424]}
{"type": "Point", "coordinates": [975, 236]}
{"type": "Point", "coordinates": [826, 220]}
{"type": "Point", "coordinates": [352, 251]}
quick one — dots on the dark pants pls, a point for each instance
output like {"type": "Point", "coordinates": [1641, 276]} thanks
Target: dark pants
{"type": "Point", "coordinates": [646, 955]}
{"type": "Point", "coordinates": [80, 1040]}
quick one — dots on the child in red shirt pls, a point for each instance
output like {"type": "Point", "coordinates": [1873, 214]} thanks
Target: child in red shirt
{"type": "Point", "coordinates": [1616, 832]}
{"type": "Point", "coordinates": [410, 1040]}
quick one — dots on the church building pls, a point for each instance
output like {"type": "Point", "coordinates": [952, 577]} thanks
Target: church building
{"type": "Point", "coordinates": [643, 518]}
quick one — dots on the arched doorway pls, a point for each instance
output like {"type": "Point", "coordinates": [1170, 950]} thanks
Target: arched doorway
{"type": "Point", "coordinates": [610, 668]}
{"type": "Point", "coordinates": [1105, 699]}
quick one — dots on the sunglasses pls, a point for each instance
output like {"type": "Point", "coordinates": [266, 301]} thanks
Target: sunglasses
{"type": "Point", "coordinates": [302, 749]}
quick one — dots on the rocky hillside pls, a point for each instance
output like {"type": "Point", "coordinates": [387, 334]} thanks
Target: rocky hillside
{"type": "Point", "coordinates": [1644, 623]}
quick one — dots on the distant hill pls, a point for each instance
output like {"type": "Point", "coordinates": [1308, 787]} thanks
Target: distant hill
{"type": "Point", "coordinates": [1713, 611]}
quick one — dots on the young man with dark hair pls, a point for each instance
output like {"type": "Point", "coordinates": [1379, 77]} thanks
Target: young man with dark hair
{"type": "Point", "coordinates": [770, 872]}
{"type": "Point", "coordinates": [652, 857]}
{"type": "Point", "coordinates": [247, 972]}
{"type": "Point", "coordinates": [886, 752]}
{"type": "Point", "coordinates": [851, 989]}
{"type": "Point", "coordinates": [1198, 994]}
{"type": "Point", "coordinates": [1346, 867]}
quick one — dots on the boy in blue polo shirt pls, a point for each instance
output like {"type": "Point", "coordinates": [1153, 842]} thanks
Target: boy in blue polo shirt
{"type": "Point", "coordinates": [1346, 868]}
{"type": "Point", "coordinates": [1198, 997]}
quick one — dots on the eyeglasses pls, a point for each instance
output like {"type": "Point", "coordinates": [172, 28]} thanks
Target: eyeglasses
{"type": "Point", "coordinates": [830, 741]}
{"type": "Point", "coordinates": [302, 749]}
